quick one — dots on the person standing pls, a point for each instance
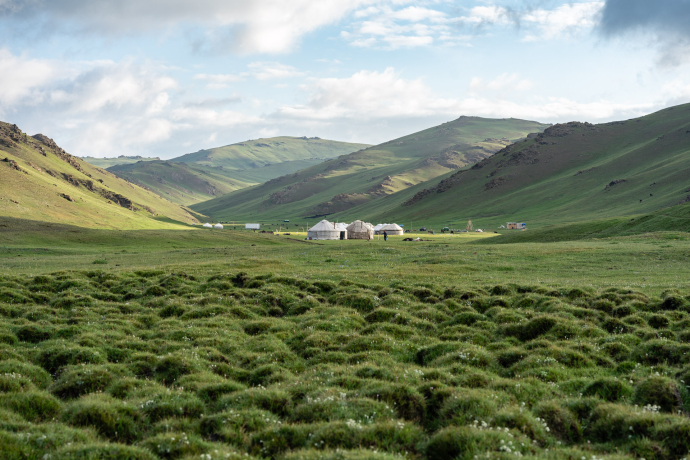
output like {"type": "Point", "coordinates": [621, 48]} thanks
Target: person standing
{"type": "Point", "coordinates": [385, 236]}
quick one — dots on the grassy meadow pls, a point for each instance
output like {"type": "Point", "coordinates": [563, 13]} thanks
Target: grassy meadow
{"type": "Point", "coordinates": [205, 344]}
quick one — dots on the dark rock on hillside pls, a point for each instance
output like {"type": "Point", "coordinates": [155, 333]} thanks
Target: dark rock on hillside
{"type": "Point", "coordinates": [614, 182]}
{"type": "Point", "coordinates": [14, 165]}
{"type": "Point", "coordinates": [60, 153]}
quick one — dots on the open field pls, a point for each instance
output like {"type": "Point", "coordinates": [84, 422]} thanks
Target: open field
{"type": "Point", "coordinates": [189, 344]}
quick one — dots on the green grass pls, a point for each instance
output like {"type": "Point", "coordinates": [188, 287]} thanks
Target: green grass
{"type": "Point", "coordinates": [211, 173]}
{"type": "Point", "coordinates": [363, 179]}
{"type": "Point", "coordinates": [673, 219]}
{"type": "Point", "coordinates": [568, 175]}
{"type": "Point", "coordinates": [257, 153]}
{"type": "Point", "coordinates": [41, 182]}
{"type": "Point", "coordinates": [106, 163]}
{"type": "Point", "coordinates": [200, 343]}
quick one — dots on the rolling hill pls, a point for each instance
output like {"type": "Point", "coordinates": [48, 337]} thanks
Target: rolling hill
{"type": "Point", "coordinates": [363, 178]}
{"type": "Point", "coordinates": [207, 174]}
{"type": "Point", "coordinates": [673, 219]}
{"type": "Point", "coordinates": [40, 181]}
{"type": "Point", "coordinates": [570, 172]}
{"type": "Point", "coordinates": [106, 163]}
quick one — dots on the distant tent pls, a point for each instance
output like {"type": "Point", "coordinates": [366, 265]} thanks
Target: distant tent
{"type": "Point", "coordinates": [359, 230]}
{"type": "Point", "coordinates": [207, 225]}
{"type": "Point", "coordinates": [324, 230]}
{"type": "Point", "coordinates": [218, 226]}
{"type": "Point", "coordinates": [379, 227]}
{"type": "Point", "coordinates": [391, 229]}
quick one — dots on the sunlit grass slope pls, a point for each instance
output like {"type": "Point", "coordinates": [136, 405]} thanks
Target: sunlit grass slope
{"type": "Point", "coordinates": [211, 173]}
{"type": "Point", "coordinates": [182, 183]}
{"type": "Point", "coordinates": [336, 186]}
{"type": "Point", "coordinates": [572, 172]}
{"type": "Point", "coordinates": [261, 152]}
{"type": "Point", "coordinates": [673, 219]}
{"type": "Point", "coordinates": [106, 163]}
{"type": "Point", "coordinates": [40, 181]}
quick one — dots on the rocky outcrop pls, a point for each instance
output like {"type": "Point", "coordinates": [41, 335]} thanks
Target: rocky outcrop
{"type": "Point", "coordinates": [14, 165]}
{"type": "Point", "coordinates": [493, 183]}
{"type": "Point", "coordinates": [614, 182]}
{"type": "Point", "coordinates": [61, 154]}
{"type": "Point", "coordinates": [10, 135]}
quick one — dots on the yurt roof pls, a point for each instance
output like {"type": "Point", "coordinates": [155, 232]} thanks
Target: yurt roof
{"type": "Point", "coordinates": [391, 227]}
{"type": "Point", "coordinates": [323, 226]}
{"type": "Point", "coordinates": [379, 227]}
{"type": "Point", "coordinates": [207, 225]}
{"type": "Point", "coordinates": [357, 226]}
{"type": "Point", "coordinates": [371, 227]}
{"type": "Point", "coordinates": [341, 226]}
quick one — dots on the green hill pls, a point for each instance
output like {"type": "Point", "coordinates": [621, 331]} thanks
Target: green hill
{"type": "Point", "coordinates": [673, 219]}
{"type": "Point", "coordinates": [106, 163]}
{"type": "Point", "coordinates": [570, 172]}
{"type": "Point", "coordinates": [40, 181]}
{"type": "Point", "coordinates": [181, 183]}
{"type": "Point", "coordinates": [366, 177]}
{"type": "Point", "coordinates": [207, 174]}
{"type": "Point", "coordinates": [261, 152]}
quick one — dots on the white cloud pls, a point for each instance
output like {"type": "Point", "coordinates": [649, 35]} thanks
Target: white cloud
{"type": "Point", "coordinates": [390, 28]}
{"type": "Point", "coordinates": [257, 26]}
{"type": "Point", "coordinates": [416, 14]}
{"type": "Point", "coordinates": [367, 95]}
{"type": "Point", "coordinates": [486, 15]}
{"type": "Point", "coordinates": [258, 70]}
{"type": "Point", "coordinates": [565, 20]}
{"type": "Point", "coordinates": [370, 96]}
{"type": "Point", "coordinates": [217, 81]}
{"type": "Point", "coordinates": [20, 78]}
{"type": "Point", "coordinates": [271, 70]}
{"type": "Point", "coordinates": [538, 24]}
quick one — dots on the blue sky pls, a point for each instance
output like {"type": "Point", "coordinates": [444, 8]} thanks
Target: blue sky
{"type": "Point", "coordinates": [168, 77]}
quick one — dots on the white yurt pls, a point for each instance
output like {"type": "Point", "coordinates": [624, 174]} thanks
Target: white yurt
{"type": "Point", "coordinates": [359, 230]}
{"type": "Point", "coordinates": [391, 229]}
{"type": "Point", "coordinates": [324, 230]}
{"type": "Point", "coordinates": [378, 227]}
{"type": "Point", "coordinates": [218, 226]}
{"type": "Point", "coordinates": [207, 225]}
{"type": "Point", "coordinates": [342, 226]}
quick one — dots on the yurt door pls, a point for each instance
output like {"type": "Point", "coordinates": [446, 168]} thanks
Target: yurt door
{"type": "Point", "coordinates": [342, 235]}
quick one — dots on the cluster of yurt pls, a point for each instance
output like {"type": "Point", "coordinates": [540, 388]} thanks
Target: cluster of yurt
{"type": "Point", "coordinates": [357, 230]}
{"type": "Point", "coordinates": [218, 226]}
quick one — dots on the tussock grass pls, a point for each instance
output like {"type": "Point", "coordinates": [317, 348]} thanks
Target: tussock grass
{"type": "Point", "coordinates": [278, 367]}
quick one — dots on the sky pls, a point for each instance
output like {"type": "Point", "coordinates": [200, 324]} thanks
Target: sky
{"type": "Point", "coordinates": [167, 77]}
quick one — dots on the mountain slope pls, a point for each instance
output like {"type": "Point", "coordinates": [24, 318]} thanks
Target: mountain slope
{"type": "Point", "coordinates": [207, 174]}
{"type": "Point", "coordinates": [106, 163]}
{"type": "Point", "coordinates": [673, 219]}
{"type": "Point", "coordinates": [40, 181]}
{"type": "Point", "coordinates": [369, 175]}
{"type": "Point", "coordinates": [181, 183]}
{"type": "Point", "coordinates": [573, 171]}
{"type": "Point", "coordinates": [261, 152]}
